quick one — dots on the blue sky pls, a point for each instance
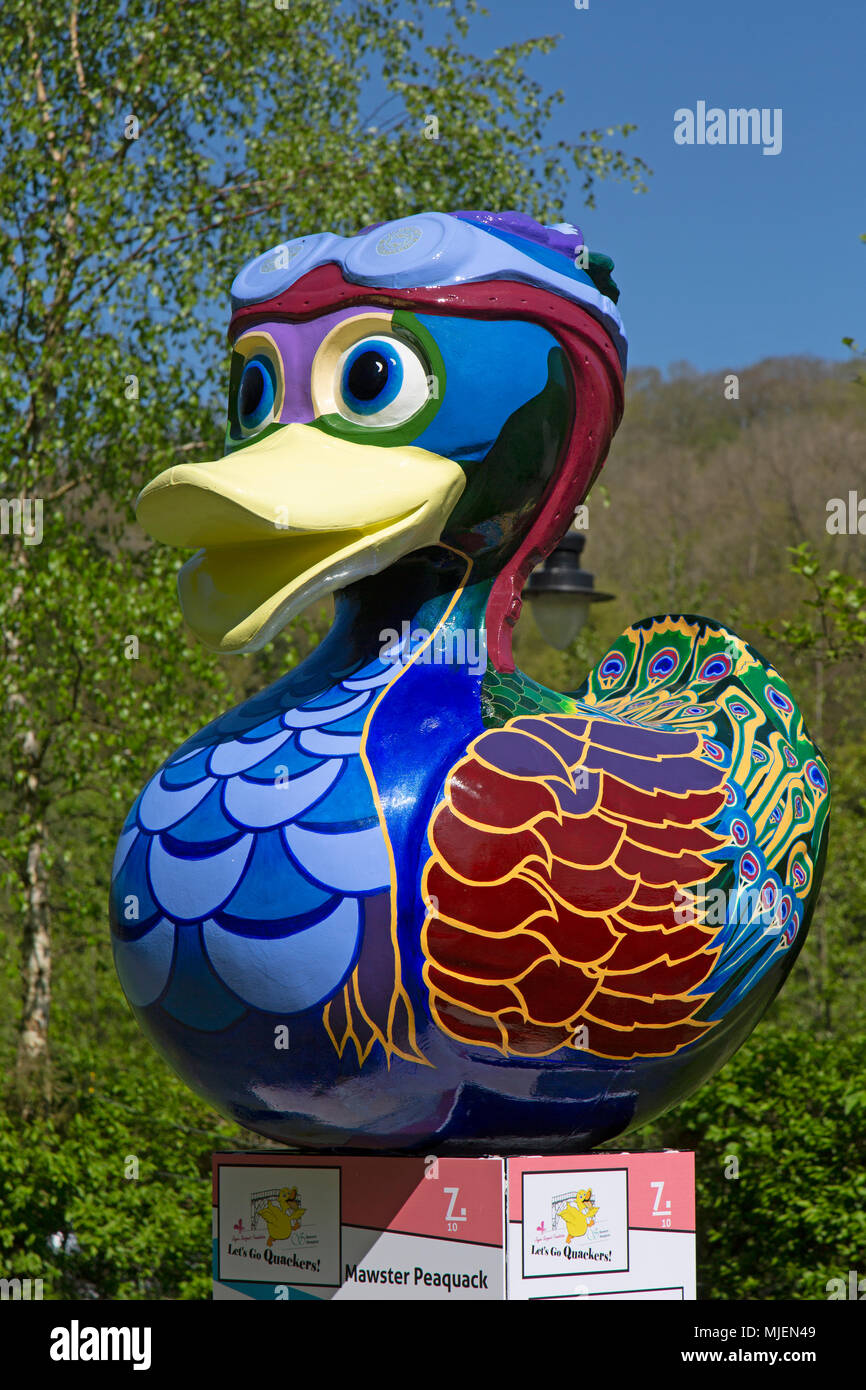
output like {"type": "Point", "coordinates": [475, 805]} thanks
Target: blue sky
{"type": "Point", "coordinates": [733, 255]}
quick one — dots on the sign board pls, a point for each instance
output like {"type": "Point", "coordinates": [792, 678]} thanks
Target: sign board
{"type": "Point", "coordinates": [294, 1226]}
{"type": "Point", "coordinates": [288, 1226]}
{"type": "Point", "coordinates": [602, 1226]}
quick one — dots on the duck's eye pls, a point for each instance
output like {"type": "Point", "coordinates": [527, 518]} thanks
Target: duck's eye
{"type": "Point", "coordinates": [372, 376]}
{"type": "Point", "coordinates": [381, 381]}
{"type": "Point", "coordinates": [257, 392]}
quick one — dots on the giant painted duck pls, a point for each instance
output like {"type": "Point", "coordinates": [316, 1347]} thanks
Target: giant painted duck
{"type": "Point", "coordinates": [407, 898]}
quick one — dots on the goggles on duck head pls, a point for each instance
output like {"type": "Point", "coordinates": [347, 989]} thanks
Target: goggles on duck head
{"type": "Point", "coordinates": [421, 252]}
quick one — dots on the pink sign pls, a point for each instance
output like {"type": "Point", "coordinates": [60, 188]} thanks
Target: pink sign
{"type": "Point", "coordinates": [602, 1225]}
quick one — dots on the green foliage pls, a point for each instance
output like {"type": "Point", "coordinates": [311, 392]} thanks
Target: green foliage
{"type": "Point", "coordinates": [789, 1107]}
{"type": "Point", "coordinates": [118, 1176]}
{"type": "Point", "coordinates": [838, 619]}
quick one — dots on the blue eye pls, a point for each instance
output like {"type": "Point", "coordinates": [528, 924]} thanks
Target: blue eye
{"type": "Point", "coordinates": [256, 392]}
{"type": "Point", "coordinates": [372, 376]}
{"type": "Point", "coordinates": [380, 382]}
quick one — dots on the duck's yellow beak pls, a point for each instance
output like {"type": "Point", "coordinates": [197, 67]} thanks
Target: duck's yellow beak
{"type": "Point", "coordinates": [289, 518]}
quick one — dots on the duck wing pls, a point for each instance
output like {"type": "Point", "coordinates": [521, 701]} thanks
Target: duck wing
{"type": "Point", "coordinates": [577, 857]}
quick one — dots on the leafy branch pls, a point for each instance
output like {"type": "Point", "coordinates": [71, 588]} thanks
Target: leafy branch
{"type": "Point", "coordinates": [837, 629]}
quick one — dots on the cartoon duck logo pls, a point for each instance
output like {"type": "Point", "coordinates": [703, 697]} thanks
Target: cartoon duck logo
{"type": "Point", "coordinates": [579, 1215]}
{"type": "Point", "coordinates": [283, 1216]}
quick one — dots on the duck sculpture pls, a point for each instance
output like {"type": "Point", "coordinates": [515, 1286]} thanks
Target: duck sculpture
{"type": "Point", "coordinates": [406, 898]}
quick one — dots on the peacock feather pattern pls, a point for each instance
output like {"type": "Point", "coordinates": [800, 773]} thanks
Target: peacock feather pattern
{"type": "Point", "coordinates": [563, 852]}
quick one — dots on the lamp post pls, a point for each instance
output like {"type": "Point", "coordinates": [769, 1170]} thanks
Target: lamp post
{"type": "Point", "coordinates": [560, 593]}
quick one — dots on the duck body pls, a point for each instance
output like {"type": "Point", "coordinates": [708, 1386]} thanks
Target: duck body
{"type": "Point", "coordinates": [361, 994]}
{"type": "Point", "coordinates": [408, 899]}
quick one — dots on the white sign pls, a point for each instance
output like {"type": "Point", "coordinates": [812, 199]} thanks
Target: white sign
{"type": "Point", "coordinates": [279, 1225]}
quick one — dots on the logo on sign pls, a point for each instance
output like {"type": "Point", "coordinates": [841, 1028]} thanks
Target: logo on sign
{"type": "Point", "coordinates": [579, 1224]}
{"type": "Point", "coordinates": [287, 1232]}
{"type": "Point", "coordinates": [573, 1215]}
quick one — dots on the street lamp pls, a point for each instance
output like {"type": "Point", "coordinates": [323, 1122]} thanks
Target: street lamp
{"type": "Point", "coordinates": [560, 593]}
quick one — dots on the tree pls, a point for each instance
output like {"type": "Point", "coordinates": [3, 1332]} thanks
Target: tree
{"type": "Point", "coordinates": [147, 152]}
{"type": "Point", "coordinates": [833, 630]}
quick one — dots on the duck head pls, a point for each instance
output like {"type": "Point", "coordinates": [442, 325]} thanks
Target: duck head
{"type": "Point", "coordinates": [443, 380]}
